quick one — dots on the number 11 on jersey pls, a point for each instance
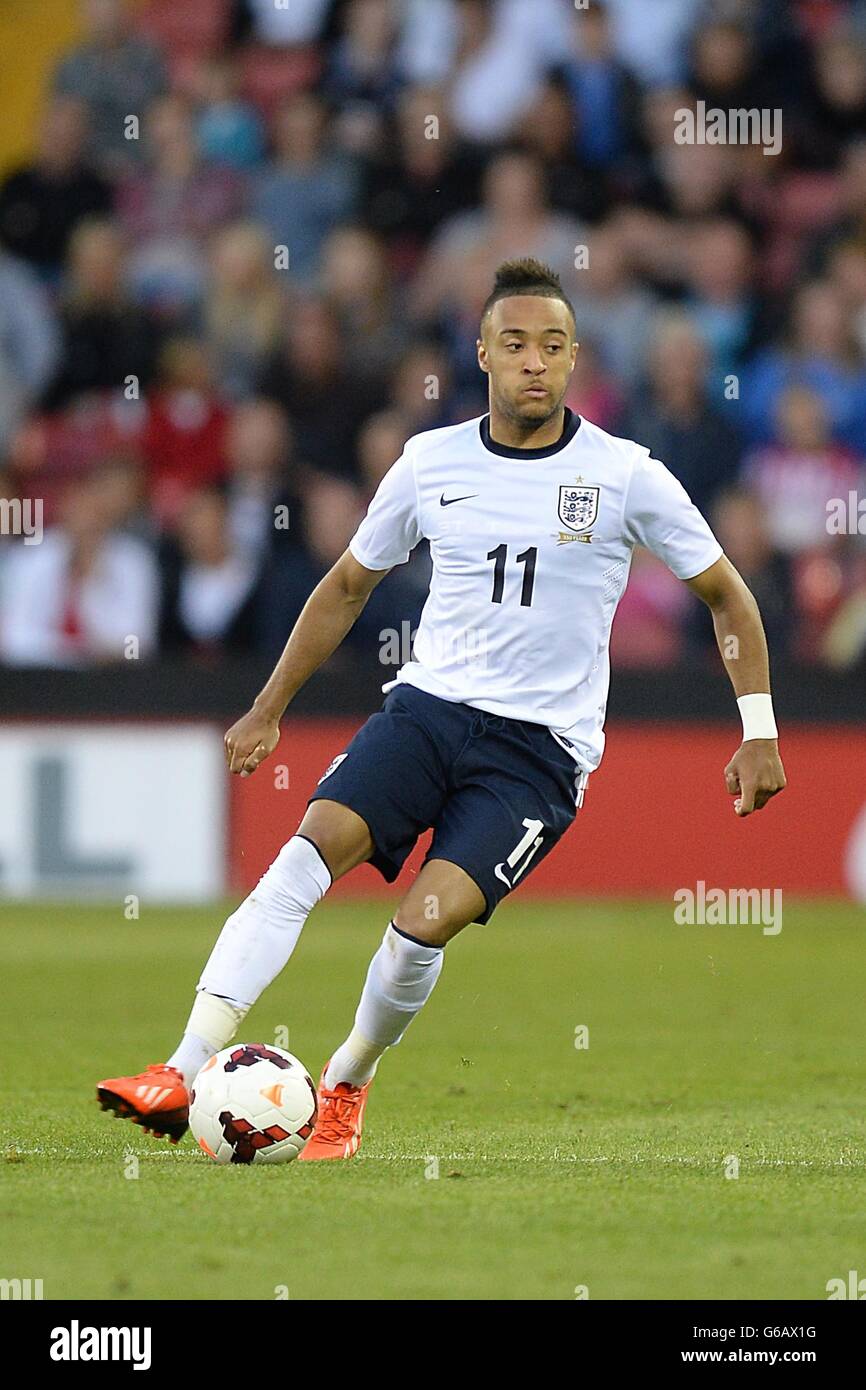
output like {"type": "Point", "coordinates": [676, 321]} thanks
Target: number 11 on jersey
{"type": "Point", "coordinates": [528, 558]}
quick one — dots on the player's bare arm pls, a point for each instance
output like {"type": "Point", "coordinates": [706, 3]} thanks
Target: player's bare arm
{"type": "Point", "coordinates": [328, 615]}
{"type": "Point", "coordinates": [755, 773]}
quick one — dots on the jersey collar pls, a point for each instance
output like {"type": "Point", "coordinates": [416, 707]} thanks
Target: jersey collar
{"type": "Point", "coordinates": [570, 428]}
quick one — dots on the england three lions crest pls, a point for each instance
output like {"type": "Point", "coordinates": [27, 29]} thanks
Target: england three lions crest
{"type": "Point", "coordinates": [578, 510]}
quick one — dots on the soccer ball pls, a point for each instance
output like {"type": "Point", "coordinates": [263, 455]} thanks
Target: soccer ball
{"type": "Point", "coordinates": [252, 1104]}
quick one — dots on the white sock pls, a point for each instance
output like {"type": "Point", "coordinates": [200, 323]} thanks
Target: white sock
{"type": "Point", "coordinates": [354, 1061]}
{"type": "Point", "coordinates": [251, 950]}
{"type": "Point", "coordinates": [190, 1056]}
{"type": "Point", "coordinates": [259, 937]}
{"type": "Point", "coordinates": [212, 1024]}
{"type": "Point", "coordinates": [399, 982]}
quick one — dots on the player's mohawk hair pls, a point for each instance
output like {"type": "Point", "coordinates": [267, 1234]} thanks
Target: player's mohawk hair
{"type": "Point", "coordinates": [526, 276]}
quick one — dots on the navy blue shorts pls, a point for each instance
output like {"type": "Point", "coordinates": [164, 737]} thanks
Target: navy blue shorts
{"type": "Point", "coordinates": [497, 792]}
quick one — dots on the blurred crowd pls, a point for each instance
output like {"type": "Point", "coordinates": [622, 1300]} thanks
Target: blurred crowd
{"type": "Point", "coordinates": [247, 258]}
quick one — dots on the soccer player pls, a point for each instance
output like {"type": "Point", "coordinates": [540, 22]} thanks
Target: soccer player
{"type": "Point", "coordinates": [490, 731]}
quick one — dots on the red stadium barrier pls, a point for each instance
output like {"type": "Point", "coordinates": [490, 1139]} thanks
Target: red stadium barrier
{"type": "Point", "coordinates": [656, 815]}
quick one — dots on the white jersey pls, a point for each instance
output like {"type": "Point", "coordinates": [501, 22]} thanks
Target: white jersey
{"type": "Point", "coordinates": [531, 551]}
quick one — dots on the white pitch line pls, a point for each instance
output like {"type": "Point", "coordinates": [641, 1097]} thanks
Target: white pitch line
{"type": "Point", "coordinates": [687, 1160]}
{"type": "Point", "coordinates": [694, 1162]}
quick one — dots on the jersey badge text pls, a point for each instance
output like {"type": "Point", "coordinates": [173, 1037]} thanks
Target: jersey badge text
{"type": "Point", "coordinates": [578, 510]}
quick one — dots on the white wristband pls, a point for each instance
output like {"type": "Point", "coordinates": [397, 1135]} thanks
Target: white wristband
{"type": "Point", "coordinates": [756, 712]}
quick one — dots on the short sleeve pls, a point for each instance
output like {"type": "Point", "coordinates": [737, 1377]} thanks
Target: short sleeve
{"type": "Point", "coordinates": [391, 529]}
{"type": "Point", "coordinates": [660, 515]}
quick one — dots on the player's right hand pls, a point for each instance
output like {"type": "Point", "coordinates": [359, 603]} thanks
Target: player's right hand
{"type": "Point", "coordinates": [248, 742]}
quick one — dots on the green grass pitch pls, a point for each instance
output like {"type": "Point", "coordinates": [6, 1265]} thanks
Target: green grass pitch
{"type": "Point", "coordinates": [559, 1167]}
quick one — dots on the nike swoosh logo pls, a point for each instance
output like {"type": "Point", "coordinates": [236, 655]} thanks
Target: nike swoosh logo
{"type": "Point", "coordinates": [451, 500]}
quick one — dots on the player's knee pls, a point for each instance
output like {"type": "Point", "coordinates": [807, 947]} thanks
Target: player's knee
{"type": "Point", "coordinates": [441, 902]}
{"type": "Point", "coordinates": [341, 837]}
{"type": "Point", "coordinates": [429, 921]}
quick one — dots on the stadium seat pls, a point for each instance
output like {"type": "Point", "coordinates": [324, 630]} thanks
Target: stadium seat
{"type": "Point", "coordinates": [58, 448]}
{"type": "Point", "coordinates": [269, 76]}
{"type": "Point", "coordinates": [794, 208]}
{"type": "Point", "coordinates": [195, 28]}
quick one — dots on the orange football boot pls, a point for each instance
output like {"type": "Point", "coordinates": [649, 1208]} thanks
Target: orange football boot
{"type": "Point", "coordinates": [157, 1100]}
{"type": "Point", "coordinates": [339, 1121]}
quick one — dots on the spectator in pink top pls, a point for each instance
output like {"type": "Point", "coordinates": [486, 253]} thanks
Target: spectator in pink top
{"type": "Point", "coordinates": [800, 472]}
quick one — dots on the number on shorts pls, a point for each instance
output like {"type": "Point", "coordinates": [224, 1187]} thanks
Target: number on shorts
{"type": "Point", "coordinates": [528, 844]}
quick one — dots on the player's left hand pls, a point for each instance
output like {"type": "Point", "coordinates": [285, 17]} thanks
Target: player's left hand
{"type": "Point", "coordinates": [754, 774]}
